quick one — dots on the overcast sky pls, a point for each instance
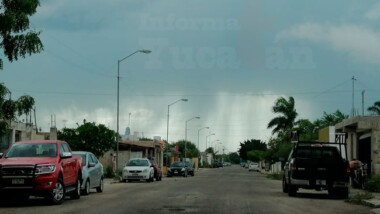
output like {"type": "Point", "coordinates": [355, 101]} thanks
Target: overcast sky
{"type": "Point", "coordinates": [231, 58]}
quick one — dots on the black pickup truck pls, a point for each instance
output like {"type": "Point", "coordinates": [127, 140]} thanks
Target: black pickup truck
{"type": "Point", "coordinates": [318, 166]}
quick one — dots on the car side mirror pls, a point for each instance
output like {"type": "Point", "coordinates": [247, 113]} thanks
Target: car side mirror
{"type": "Point", "coordinates": [66, 155]}
{"type": "Point", "coordinates": [91, 165]}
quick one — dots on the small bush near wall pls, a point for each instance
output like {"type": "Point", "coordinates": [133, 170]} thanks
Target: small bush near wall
{"type": "Point", "coordinates": [108, 172]}
{"type": "Point", "coordinates": [276, 176]}
{"type": "Point", "coordinates": [373, 184]}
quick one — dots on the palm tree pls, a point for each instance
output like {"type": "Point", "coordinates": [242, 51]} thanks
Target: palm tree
{"type": "Point", "coordinates": [375, 109]}
{"type": "Point", "coordinates": [288, 116]}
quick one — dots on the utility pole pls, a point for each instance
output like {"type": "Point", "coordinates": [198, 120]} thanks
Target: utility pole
{"type": "Point", "coordinates": [353, 96]}
{"type": "Point", "coordinates": [129, 121]}
{"type": "Point", "coordinates": [363, 102]}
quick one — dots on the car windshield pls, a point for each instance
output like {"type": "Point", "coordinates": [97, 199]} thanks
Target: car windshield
{"type": "Point", "coordinates": [138, 162]}
{"type": "Point", "coordinates": [177, 164]}
{"type": "Point", "coordinates": [189, 165]}
{"type": "Point", "coordinates": [32, 150]}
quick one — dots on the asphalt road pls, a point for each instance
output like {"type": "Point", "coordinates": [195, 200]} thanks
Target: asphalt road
{"type": "Point", "coordinates": [224, 190]}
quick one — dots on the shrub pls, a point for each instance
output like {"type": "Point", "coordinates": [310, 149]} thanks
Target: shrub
{"type": "Point", "coordinates": [373, 184]}
{"type": "Point", "coordinates": [108, 172]}
{"type": "Point", "coordinates": [276, 176]}
{"type": "Point", "coordinates": [359, 197]}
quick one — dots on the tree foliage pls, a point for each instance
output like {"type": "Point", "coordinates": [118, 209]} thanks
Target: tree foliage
{"type": "Point", "coordinates": [17, 40]}
{"type": "Point", "coordinates": [191, 149]}
{"type": "Point", "coordinates": [233, 157]}
{"type": "Point", "coordinates": [90, 137]}
{"type": "Point", "coordinates": [288, 114]}
{"type": "Point", "coordinates": [10, 109]}
{"type": "Point", "coordinates": [375, 108]}
{"type": "Point", "coordinates": [250, 145]}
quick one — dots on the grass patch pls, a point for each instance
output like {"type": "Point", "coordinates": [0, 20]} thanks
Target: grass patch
{"type": "Point", "coordinates": [275, 176]}
{"type": "Point", "coordinates": [373, 184]}
{"type": "Point", "coordinates": [358, 198]}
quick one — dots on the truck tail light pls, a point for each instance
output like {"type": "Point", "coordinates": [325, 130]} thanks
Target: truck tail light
{"type": "Point", "coordinates": [348, 170]}
{"type": "Point", "coordinates": [294, 167]}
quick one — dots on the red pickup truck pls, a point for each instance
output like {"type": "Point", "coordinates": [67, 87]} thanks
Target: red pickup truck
{"type": "Point", "coordinates": [41, 168]}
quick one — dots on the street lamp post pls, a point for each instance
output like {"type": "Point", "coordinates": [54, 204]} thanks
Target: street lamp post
{"type": "Point", "coordinates": [118, 93]}
{"type": "Point", "coordinates": [186, 132]}
{"type": "Point", "coordinates": [207, 137]}
{"type": "Point", "coordinates": [198, 135]}
{"type": "Point", "coordinates": [167, 124]}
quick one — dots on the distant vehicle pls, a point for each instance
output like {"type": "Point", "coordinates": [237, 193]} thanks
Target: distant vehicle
{"type": "Point", "coordinates": [220, 164]}
{"type": "Point", "coordinates": [157, 171]}
{"type": "Point", "coordinates": [246, 165]}
{"type": "Point", "coordinates": [92, 173]}
{"type": "Point", "coordinates": [253, 166]}
{"type": "Point", "coordinates": [138, 169]}
{"type": "Point", "coordinates": [190, 168]}
{"type": "Point", "coordinates": [41, 168]}
{"type": "Point", "coordinates": [177, 169]}
{"type": "Point", "coordinates": [317, 166]}
{"type": "Point", "coordinates": [242, 164]}
{"type": "Point", "coordinates": [217, 165]}
{"type": "Point", "coordinates": [226, 164]}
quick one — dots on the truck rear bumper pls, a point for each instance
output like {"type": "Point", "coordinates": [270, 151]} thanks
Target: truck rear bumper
{"type": "Point", "coordinates": [315, 183]}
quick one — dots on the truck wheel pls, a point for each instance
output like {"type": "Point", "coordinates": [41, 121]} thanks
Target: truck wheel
{"type": "Point", "coordinates": [284, 185]}
{"type": "Point", "coordinates": [292, 191]}
{"type": "Point", "coordinates": [76, 193]}
{"type": "Point", "coordinates": [57, 196]}
{"type": "Point", "coordinates": [86, 190]}
{"type": "Point", "coordinates": [101, 186]}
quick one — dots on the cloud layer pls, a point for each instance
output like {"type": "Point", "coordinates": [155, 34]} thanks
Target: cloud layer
{"type": "Point", "coordinates": [361, 43]}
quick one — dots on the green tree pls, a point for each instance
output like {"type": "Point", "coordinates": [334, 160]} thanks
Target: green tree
{"type": "Point", "coordinates": [250, 145]}
{"type": "Point", "coordinates": [24, 105]}
{"type": "Point", "coordinates": [17, 40]}
{"type": "Point", "coordinates": [97, 139]}
{"type": "Point", "coordinates": [191, 149]}
{"type": "Point", "coordinates": [330, 119]}
{"type": "Point", "coordinates": [233, 157]}
{"type": "Point", "coordinates": [288, 115]}
{"type": "Point", "coordinates": [375, 109]}
{"type": "Point", "coordinates": [9, 109]}
{"type": "Point", "coordinates": [255, 155]}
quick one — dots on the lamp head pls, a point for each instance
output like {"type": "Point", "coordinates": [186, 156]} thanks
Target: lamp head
{"type": "Point", "coordinates": [145, 51]}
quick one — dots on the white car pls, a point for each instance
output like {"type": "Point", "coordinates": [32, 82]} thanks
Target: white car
{"type": "Point", "coordinates": [138, 169]}
{"type": "Point", "coordinates": [253, 166]}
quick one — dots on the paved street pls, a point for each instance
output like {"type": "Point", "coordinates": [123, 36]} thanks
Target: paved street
{"type": "Point", "coordinates": [224, 190]}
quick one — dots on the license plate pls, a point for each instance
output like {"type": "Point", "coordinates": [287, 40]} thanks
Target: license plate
{"type": "Point", "coordinates": [18, 181]}
{"type": "Point", "coordinates": [320, 182]}
{"type": "Point", "coordinates": [135, 174]}
{"type": "Point", "coordinates": [175, 172]}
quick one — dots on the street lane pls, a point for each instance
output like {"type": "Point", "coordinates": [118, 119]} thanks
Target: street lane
{"type": "Point", "coordinates": [224, 190]}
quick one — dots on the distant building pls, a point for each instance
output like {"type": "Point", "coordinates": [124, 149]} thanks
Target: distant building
{"type": "Point", "coordinates": [363, 140]}
{"type": "Point", "coordinates": [24, 131]}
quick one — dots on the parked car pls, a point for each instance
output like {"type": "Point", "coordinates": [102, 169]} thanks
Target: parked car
{"type": "Point", "coordinates": [253, 166]}
{"type": "Point", "coordinates": [157, 171]}
{"type": "Point", "coordinates": [246, 165]}
{"type": "Point", "coordinates": [40, 168]}
{"type": "Point", "coordinates": [190, 168]}
{"type": "Point", "coordinates": [242, 164]}
{"type": "Point", "coordinates": [226, 164]}
{"type": "Point", "coordinates": [177, 168]}
{"type": "Point", "coordinates": [92, 173]}
{"type": "Point", "coordinates": [138, 169]}
{"type": "Point", "coordinates": [316, 166]}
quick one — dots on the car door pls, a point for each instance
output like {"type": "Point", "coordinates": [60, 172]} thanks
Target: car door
{"type": "Point", "coordinates": [92, 170]}
{"type": "Point", "coordinates": [64, 165]}
{"type": "Point", "coordinates": [71, 164]}
{"type": "Point", "coordinates": [98, 170]}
